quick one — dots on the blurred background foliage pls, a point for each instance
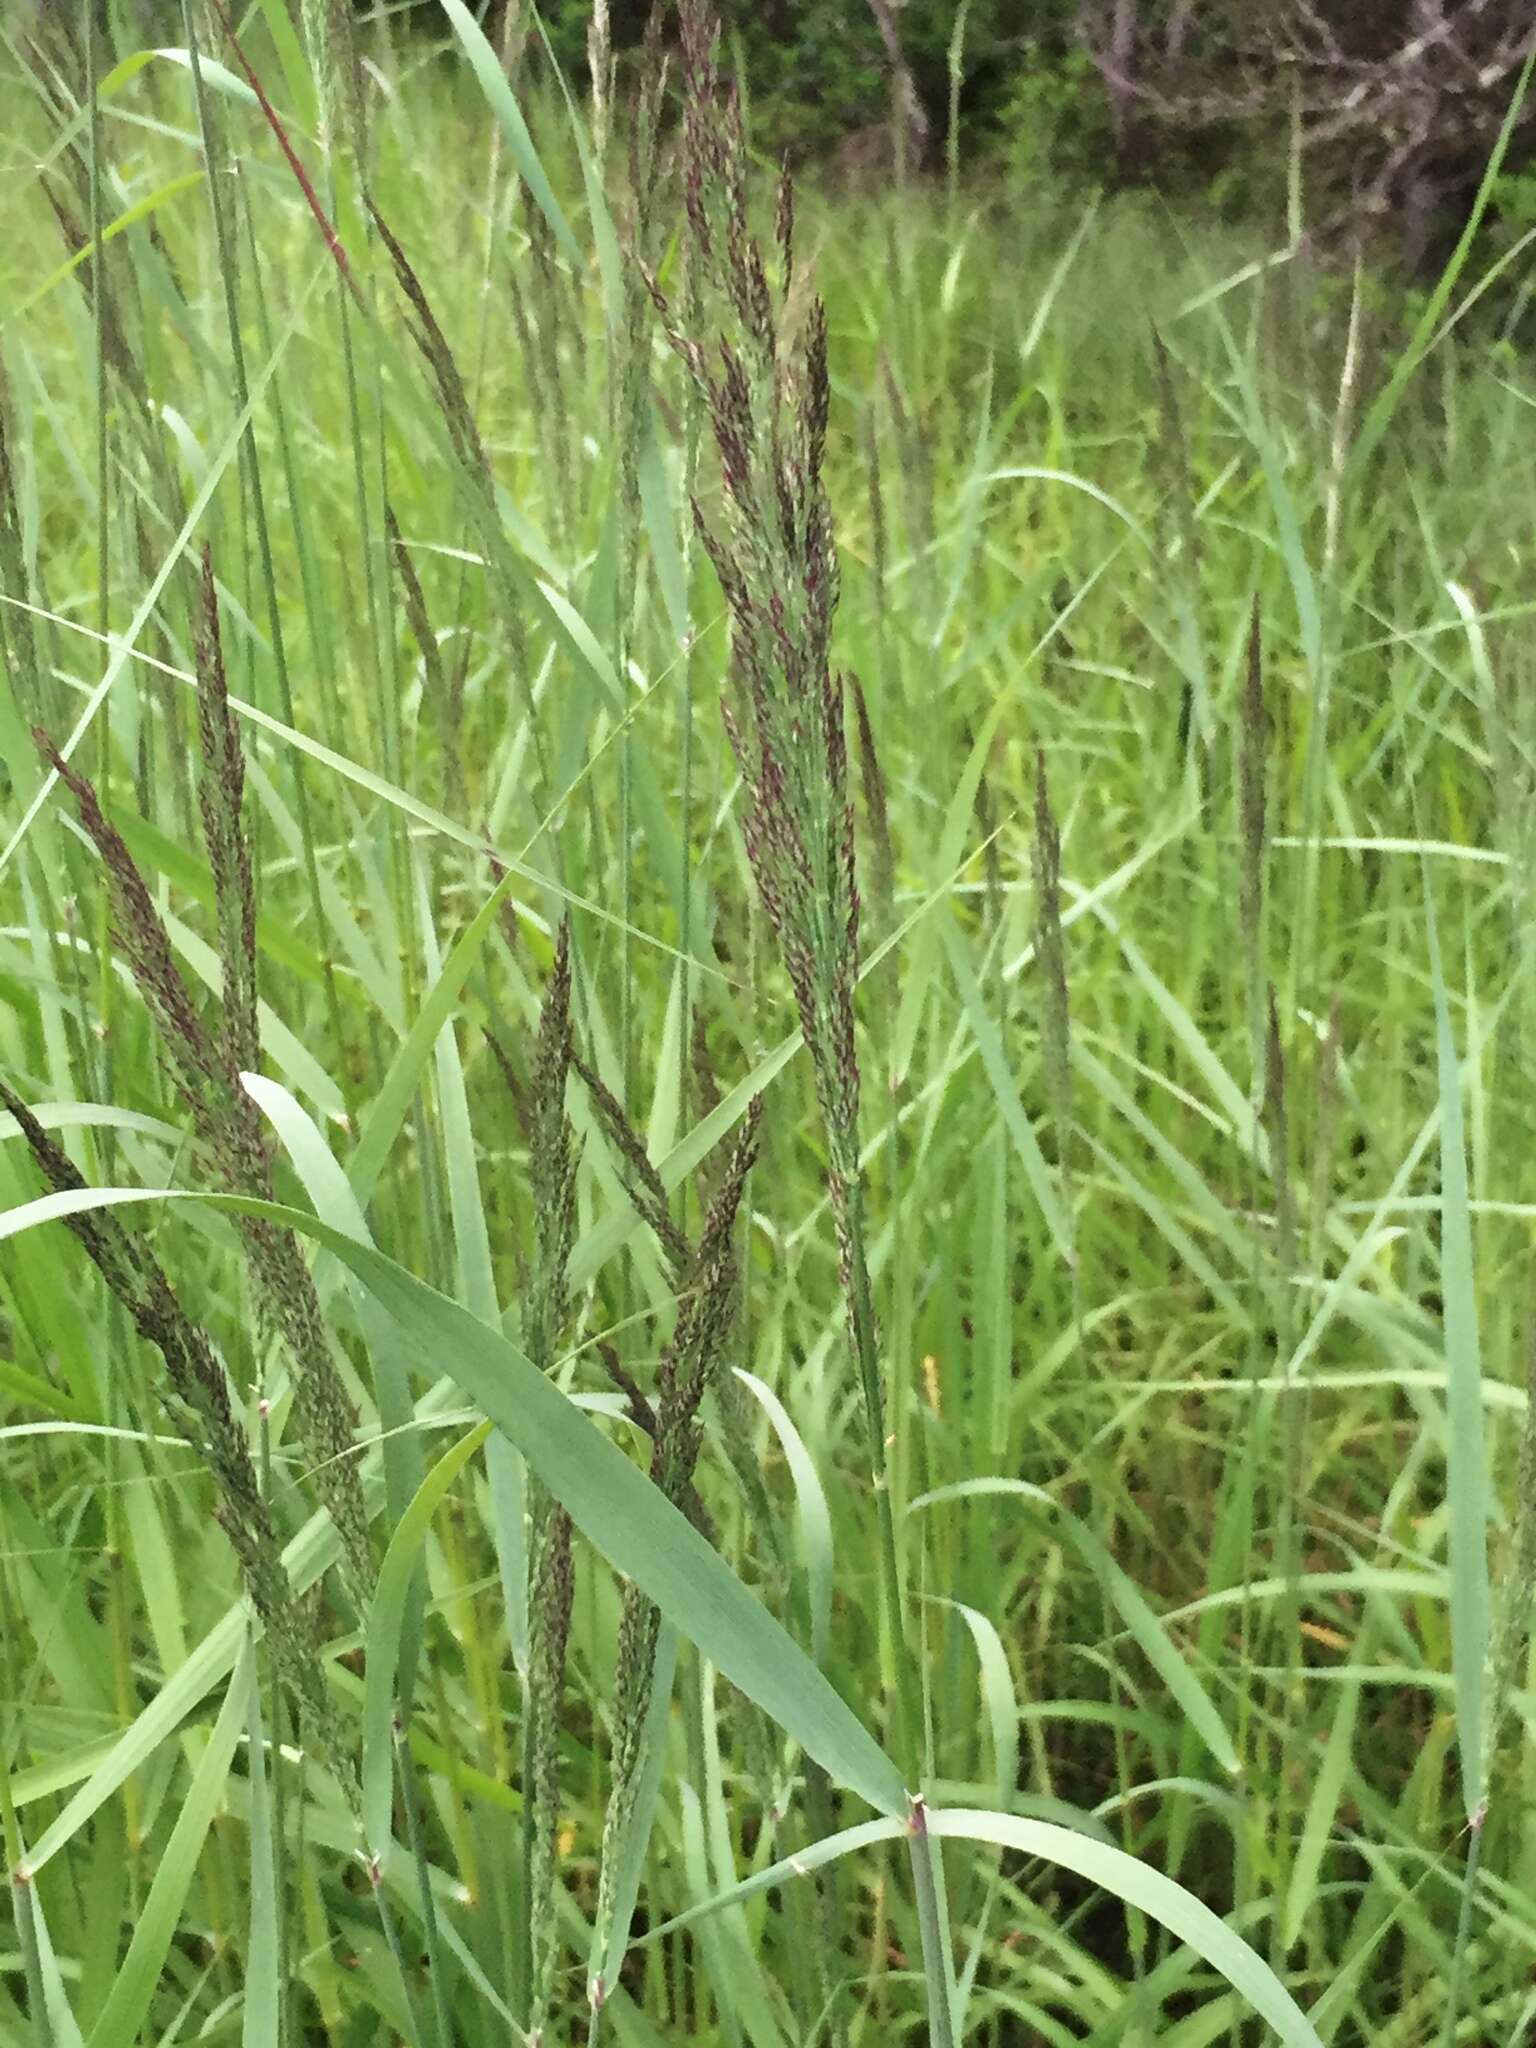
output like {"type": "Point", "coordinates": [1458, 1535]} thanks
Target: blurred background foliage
{"type": "Point", "coordinates": [1377, 116]}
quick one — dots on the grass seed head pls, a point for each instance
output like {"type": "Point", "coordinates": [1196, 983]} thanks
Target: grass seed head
{"type": "Point", "coordinates": [646, 1188]}
{"type": "Point", "coordinates": [222, 796]}
{"type": "Point", "coordinates": [202, 1069]}
{"type": "Point", "coordinates": [693, 1362]}
{"type": "Point", "coordinates": [1050, 950]}
{"type": "Point", "coordinates": [1253, 769]}
{"type": "Point", "coordinates": [552, 1581]}
{"type": "Point", "coordinates": [554, 1155]}
{"type": "Point", "coordinates": [453, 398]}
{"type": "Point", "coordinates": [766, 394]}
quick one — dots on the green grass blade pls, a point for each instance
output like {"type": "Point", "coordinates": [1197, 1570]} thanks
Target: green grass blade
{"type": "Point", "coordinates": [331, 1194]}
{"type": "Point", "coordinates": [994, 1057]}
{"type": "Point", "coordinates": [214, 74]}
{"type": "Point", "coordinates": [633, 1524]}
{"type": "Point", "coordinates": [999, 1696]}
{"type": "Point", "coordinates": [730, 1967]}
{"type": "Point", "coordinates": [1150, 1634]}
{"type": "Point", "coordinates": [123, 647]}
{"type": "Point", "coordinates": [811, 1511]}
{"type": "Point", "coordinates": [392, 1104]}
{"type": "Point", "coordinates": [58, 2026]}
{"type": "Point", "coordinates": [1139, 1885]}
{"type": "Point", "coordinates": [141, 209]}
{"type": "Point", "coordinates": [814, 1856]}
{"type": "Point", "coordinates": [157, 1924]}
{"type": "Point", "coordinates": [261, 2021]}
{"type": "Point", "coordinates": [471, 1234]}
{"type": "Point", "coordinates": [1322, 1810]}
{"type": "Point", "coordinates": [618, 1510]}
{"type": "Point", "coordinates": [1466, 1460]}
{"type": "Point", "coordinates": [1387, 400]}
{"type": "Point", "coordinates": [1126, 1878]}
{"type": "Point", "coordinates": [487, 68]}
{"type": "Point", "coordinates": [382, 1640]}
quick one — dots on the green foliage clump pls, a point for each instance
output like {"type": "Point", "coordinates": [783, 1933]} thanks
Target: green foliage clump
{"type": "Point", "coordinates": [816, 71]}
{"type": "Point", "coordinates": [1054, 121]}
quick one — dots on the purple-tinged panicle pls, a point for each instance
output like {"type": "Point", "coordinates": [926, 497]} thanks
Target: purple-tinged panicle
{"type": "Point", "coordinates": [1253, 772]}
{"type": "Point", "coordinates": [784, 226]}
{"type": "Point", "coordinates": [554, 1158]}
{"type": "Point", "coordinates": [771, 547]}
{"type": "Point", "coordinates": [554, 1155]}
{"type": "Point", "coordinates": [769, 536]}
{"type": "Point", "coordinates": [433, 344]}
{"type": "Point", "coordinates": [644, 1183]}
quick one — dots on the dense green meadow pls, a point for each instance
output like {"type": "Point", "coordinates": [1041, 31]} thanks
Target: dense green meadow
{"type": "Point", "coordinates": [1088, 1403]}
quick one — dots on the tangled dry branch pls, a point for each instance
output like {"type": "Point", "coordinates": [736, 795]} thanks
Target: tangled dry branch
{"type": "Point", "coordinates": [1398, 106]}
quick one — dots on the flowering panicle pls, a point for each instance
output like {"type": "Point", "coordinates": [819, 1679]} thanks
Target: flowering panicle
{"type": "Point", "coordinates": [648, 1193]}
{"type": "Point", "coordinates": [764, 387]}
{"type": "Point", "coordinates": [427, 333]}
{"type": "Point", "coordinates": [554, 1155]}
{"type": "Point", "coordinates": [552, 1585]}
{"type": "Point", "coordinates": [696, 1352]}
{"type": "Point", "coordinates": [646, 1188]}
{"type": "Point", "coordinates": [766, 392]}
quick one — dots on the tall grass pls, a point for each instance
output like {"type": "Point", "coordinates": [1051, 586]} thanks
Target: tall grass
{"type": "Point", "coordinates": [654, 1314]}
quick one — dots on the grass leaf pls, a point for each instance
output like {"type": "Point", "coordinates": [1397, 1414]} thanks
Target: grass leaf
{"type": "Point", "coordinates": [1466, 1461]}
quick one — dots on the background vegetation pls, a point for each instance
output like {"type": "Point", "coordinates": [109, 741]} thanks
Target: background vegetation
{"type": "Point", "coordinates": [1185, 614]}
{"type": "Point", "coordinates": [1389, 112]}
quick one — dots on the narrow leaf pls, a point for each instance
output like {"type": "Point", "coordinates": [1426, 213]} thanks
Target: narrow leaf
{"type": "Point", "coordinates": [487, 68]}
{"type": "Point", "coordinates": [1151, 1637]}
{"type": "Point", "coordinates": [1466, 1466]}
